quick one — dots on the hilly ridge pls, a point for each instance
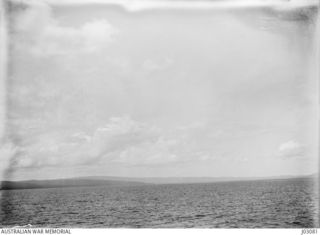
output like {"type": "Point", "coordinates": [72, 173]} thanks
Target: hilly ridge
{"type": "Point", "coordinates": [108, 181]}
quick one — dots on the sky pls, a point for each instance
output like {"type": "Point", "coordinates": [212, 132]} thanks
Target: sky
{"type": "Point", "coordinates": [157, 91]}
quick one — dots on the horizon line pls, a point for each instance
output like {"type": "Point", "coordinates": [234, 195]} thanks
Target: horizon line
{"type": "Point", "coordinates": [171, 177]}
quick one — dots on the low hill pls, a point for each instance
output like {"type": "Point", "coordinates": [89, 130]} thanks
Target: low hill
{"type": "Point", "coordinates": [61, 183]}
{"type": "Point", "coordinates": [126, 181]}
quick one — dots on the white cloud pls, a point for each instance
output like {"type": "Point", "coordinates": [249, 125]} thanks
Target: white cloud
{"type": "Point", "coordinates": [139, 5]}
{"type": "Point", "coordinates": [118, 135]}
{"type": "Point", "coordinates": [290, 149]}
{"type": "Point", "coordinates": [37, 31]}
{"type": "Point", "coordinates": [156, 153]}
{"type": "Point", "coordinates": [152, 65]}
{"type": "Point", "coordinates": [121, 140]}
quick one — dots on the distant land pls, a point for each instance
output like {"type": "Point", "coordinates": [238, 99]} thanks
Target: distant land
{"type": "Point", "coordinates": [127, 181]}
{"type": "Point", "coordinates": [63, 183]}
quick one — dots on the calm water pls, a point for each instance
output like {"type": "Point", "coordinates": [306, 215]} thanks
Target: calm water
{"type": "Point", "coordinates": [272, 203]}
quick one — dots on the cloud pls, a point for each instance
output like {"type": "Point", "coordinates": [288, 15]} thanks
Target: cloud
{"type": "Point", "coordinates": [152, 65]}
{"type": "Point", "coordinates": [290, 149]}
{"type": "Point", "coordinates": [121, 133]}
{"type": "Point", "coordinates": [37, 31]}
{"type": "Point", "coordinates": [140, 5]}
{"type": "Point", "coordinates": [57, 149]}
{"type": "Point", "coordinates": [151, 153]}
{"type": "Point", "coordinates": [121, 140]}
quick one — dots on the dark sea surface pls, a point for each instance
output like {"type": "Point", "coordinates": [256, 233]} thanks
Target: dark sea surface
{"type": "Point", "coordinates": [249, 204]}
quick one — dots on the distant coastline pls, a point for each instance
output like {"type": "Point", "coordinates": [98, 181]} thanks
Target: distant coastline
{"type": "Point", "coordinates": [126, 181]}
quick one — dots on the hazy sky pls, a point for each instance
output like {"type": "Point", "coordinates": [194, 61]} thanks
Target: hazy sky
{"type": "Point", "coordinates": [102, 89]}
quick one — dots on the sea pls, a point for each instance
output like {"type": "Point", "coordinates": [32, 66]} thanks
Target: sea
{"type": "Point", "coordinates": [285, 203]}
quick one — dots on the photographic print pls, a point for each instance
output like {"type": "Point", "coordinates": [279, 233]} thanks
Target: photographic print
{"type": "Point", "coordinates": [159, 113]}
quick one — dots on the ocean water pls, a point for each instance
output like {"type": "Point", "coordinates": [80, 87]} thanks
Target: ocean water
{"type": "Point", "coordinates": [250, 204]}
